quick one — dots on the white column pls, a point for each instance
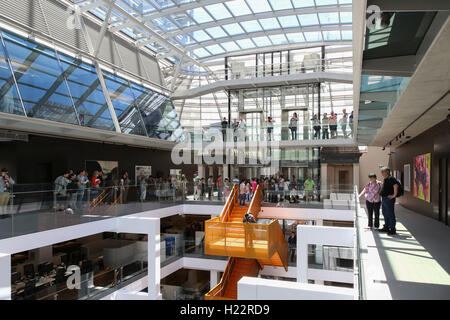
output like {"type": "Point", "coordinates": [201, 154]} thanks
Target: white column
{"type": "Point", "coordinates": [154, 263]}
{"type": "Point", "coordinates": [226, 172]}
{"type": "Point", "coordinates": [201, 171]}
{"type": "Point", "coordinates": [5, 276]}
{"type": "Point", "coordinates": [324, 180]}
{"type": "Point", "coordinates": [356, 174]}
{"type": "Point", "coordinates": [213, 278]}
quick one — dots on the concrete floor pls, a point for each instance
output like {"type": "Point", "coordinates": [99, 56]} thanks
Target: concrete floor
{"type": "Point", "coordinates": [414, 264]}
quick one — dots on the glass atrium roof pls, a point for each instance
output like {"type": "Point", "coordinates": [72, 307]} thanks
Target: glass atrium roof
{"type": "Point", "coordinates": [199, 30]}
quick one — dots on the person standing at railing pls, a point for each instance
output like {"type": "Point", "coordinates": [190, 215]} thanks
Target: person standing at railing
{"type": "Point", "coordinates": [6, 183]}
{"type": "Point", "coordinates": [247, 220]}
{"type": "Point", "coordinates": [316, 126]}
{"type": "Point", "coordinates": [219, 187]}
{"type": "Point", "coordinates": [242, 130]}
{"type": "Point", "coordinates": [95, 184]}
{"type": "Point", "coordinates": [184, 186]}
{"type": "Point", "coordinates": [143, 188]}
{"type": "Point", "coordinates": [293, 124]}
{"type": "Point", "coordinates": [350, 119]}
{"type": "Point", "coordinates": [292, 242]}
{"type": "Point", "coordinates": [344, 122]}
{"type": "Point", "coordinates": [210, 187]}
{"type": "Point", "coordinates": [325, 123]}
{"type": "Point", "coordinates": [270, 123]}
{"type": "Point", "coordinates": [309, 189]}
{"type": "Point", "coordinates": [224, 128]}
{"type": "Point", "coordinates": [60, 192]}
{"type": "Point", "coordinates": [254, 186]}
{"type": "Point", "coordinates": [373, 200]}
{"type": "Point", "coordinates": [333, 125]}
{"type": "Point", "coordinates": [226, 189]}
{"type": "Point", "coordinates": [197, 187]}
{"type": "Point", "coordinates": [83, 180]}
{"type": "Point", "coordinates": [235, 127]}
{"type": "Point", "coordinates": [124, 185]}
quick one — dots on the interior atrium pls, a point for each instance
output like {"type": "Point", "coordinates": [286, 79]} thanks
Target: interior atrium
{"type": "Point", "coordinates": [224, 150]}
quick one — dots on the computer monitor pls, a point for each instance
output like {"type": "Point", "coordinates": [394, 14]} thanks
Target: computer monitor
{"type": "Point", "coordinates": [15, 277]}
{"type": "Point", "coordinates": [42, 269]}
{"type": "Point", "coordinates": [28, 270]}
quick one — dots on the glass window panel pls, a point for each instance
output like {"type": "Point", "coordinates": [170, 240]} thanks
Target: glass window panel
{"type": "Point", "coordinates": [262, 41]}
{"type": "Point", "coordinates": [313, 36]}
{"type": "Point", "coordinates": [295, 37]}
{"type": "Point", "coordinates": [281, 4]}
{"type": "Point", "coordinates": [346, 17]}
{"type": "Point", "coordinates": [215, 49]}
{"type": "Point", "coordinates": [251, 26]}
{"type": "Point", "coordinates": [200, 15]}
{"type": "Point", "coordinates": [325, 2]}
{"type": "Point", "coordinates": [308, 19]}
{"type": "Point", "coordinates": [258, 6]}
{"type": "Point", "coordinates": [200, 52]}
{"type": "Point", "coordinates": [200, 35]}
{"type": "Point", "coordinates": [216, 32]}
{"type": "Point", "coordinates": [40, 80]}
{"type": "Point", "coordinates": [230, 46]}
{"type": "Point", "coordinates": [238, 7]}
{"type": "Point", "coordinates": [245, 43]}
{"type": "Point", "coordinates": [331, 35]}
{"type": "Point", "coordinates": [329, 17]}
{"type": "Point", "coordinates": [288, 21]}
{"type": "Point", "coordinates": [87, 93]}
{"type": "Point", "coordinates": [218, 11]}
{"type": "Point", "coordinates": [9, 97]}
{"type": "Point", "coordinates": [278, 39]}
{"type": "Point", "coordinates": [303, 3]}
{"type": "Point", "coordinates": [347, 35]}
{"type": "Point", "coordinates": [123, 100]}
{"type": "Point", "coordinates": [270, 23]}
{"type": "Point", "coordinates": [233, 29]}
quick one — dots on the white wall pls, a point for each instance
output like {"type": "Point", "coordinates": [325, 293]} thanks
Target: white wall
{"type": "Point", "coordinates": [264, 289]}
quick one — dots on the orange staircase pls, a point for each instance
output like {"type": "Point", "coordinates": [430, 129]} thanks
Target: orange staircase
{"type": "Point", "coordinates": [250, 246]}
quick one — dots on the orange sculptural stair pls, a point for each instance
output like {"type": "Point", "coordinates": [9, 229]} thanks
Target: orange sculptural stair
{"type": "Point", "coordinates": [251, 246]}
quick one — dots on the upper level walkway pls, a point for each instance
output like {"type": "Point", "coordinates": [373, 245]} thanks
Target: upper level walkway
{"type": "Point", "coordinates": [414, 264]}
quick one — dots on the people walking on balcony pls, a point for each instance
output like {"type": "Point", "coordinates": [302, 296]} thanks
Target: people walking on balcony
{"type": "Point", "coordinates": [226, 189]}
{"type": "Point", "coordinates": [219, 187]}
{"type": "Point", "coordinates": [389, 192]}
{"type": "Point", "coordinates": [350, 119]}
{"type": "Point", "coordinates": [344, 122]}
{"type": "Point", "coordinates": [84, 181]}
{"type": "Point", "coordinates": [269, 124]}
{"type": "Point", "coordinates": [6, 183]}
{"type": "Point", "coordinates": [373, 200]}
{"type": "Point", "coordinates": [293, 124]}
{"type": "Point", "coordinates": [224, 129]}
{"type": "Point", "coordinates": [316, 126]}
{"type": "Point", "coordinates": [242, 193]}
{"type": "Point", "coordinates": [325, 124]}
{"type": "Point", "coordinates": [197, 187]}
{"type": "Point", "coordinates": [332, 120]}
{"type": "Point", "coordinates": [210, 187]}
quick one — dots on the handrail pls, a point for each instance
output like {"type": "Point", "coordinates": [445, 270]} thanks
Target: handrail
{"type": "Point", "coordinates": [281, 244]}
{"type": "Point", "coordinates": [255, 205]}
{"type": "Point", "coordinates": [229, 205]}
{"type": "Point", "coordinates": [214, 292]}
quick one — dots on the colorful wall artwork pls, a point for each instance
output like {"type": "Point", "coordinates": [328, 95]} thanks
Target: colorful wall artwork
{"type": "Point", "coordinates": [422, 174]}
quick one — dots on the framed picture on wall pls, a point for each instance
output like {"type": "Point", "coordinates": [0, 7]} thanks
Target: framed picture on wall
{"type": "Point", "coordinates": [407, 177]}
{"type": "Point", "coordinates": [422, 177]}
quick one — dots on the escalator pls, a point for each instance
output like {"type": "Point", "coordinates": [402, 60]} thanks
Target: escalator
{"type": "Point", "coordinates": [250, 247]}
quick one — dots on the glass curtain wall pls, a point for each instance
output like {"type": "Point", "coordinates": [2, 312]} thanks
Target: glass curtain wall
{"type": "Point", "coordinates": [39, 82]}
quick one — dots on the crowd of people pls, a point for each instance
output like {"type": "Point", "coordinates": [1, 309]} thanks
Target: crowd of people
{"type": "Point", "coordinates": [275, 189]}
{"type": "Point", "coordinates": [325, 127]}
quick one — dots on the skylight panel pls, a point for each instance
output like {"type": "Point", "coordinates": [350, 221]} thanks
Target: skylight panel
{"type": "Point", "coordinates": [295, 37]}
{"type": "Point", "coordinates": [326, 2]}
{"type": "Point", "coordinates": [278, 39]}
{"type": "Point", "coordinates": [215, 49]}
{"type": "Point", "coordinates": [281, 4]}
{"type": "Point", "coordinates": [200, 36]}
{"type": "Point", "coordinates": [233, 29]}
{"type": "Point", "coordinates": [270, 23]}
{"type": "Point", "coordinates": [313, 36]}
{"type": "Point", "coordinates": [182, 19]}
{"type": "Point", "coordinates": [262, 41]}
{"type": "Point", "coordinates": [230, 46]}
{"type": "Point", "coordinates": [345, 1]}
{"type": "Point", "coordinates": [332, 35]}
{"type": "Point", "coordinates": [251, 26]}
{"type": "Point", "coordinates": [201, 53]}
{"type": "Point", "coordinates": [216, 32]}
{"type": "Point", "coordinates": [303, 3]}
{"type": "Point", "coordinates": [347, 35]}
{"type": "Point", "coordinates": [346, 17]}
{"type": "Point", "coordinates": [245, 43]}
{"type": "Point", "coordinates": [259, 6]}
{"type": "Point", "coordinates": [288, 21]}
{"type": "Point", "coordinates": [329, 18]}
{"type": "Point", "coordinates": [200, 15]}
{"type": "Point", "coordinates": [308, 19]}
{"type": "Point", "coordinates": [218, 11]}
{"type": "Point", "coordinates": [238, 7]}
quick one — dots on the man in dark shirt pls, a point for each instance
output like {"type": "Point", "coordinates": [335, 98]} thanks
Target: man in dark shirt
{"type": "Point", "coordinates": [388, 193]}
